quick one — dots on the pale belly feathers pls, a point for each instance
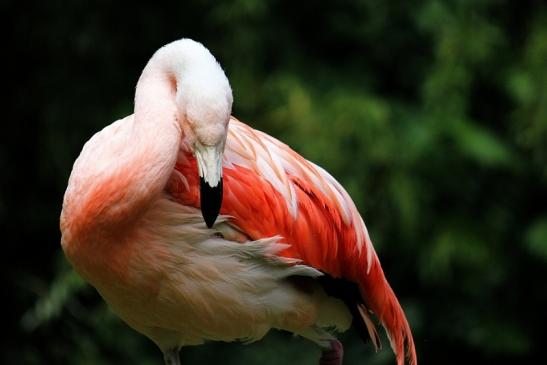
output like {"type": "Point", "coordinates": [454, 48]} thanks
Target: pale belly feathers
{"type": "Point", "coordinates": [186, 284]}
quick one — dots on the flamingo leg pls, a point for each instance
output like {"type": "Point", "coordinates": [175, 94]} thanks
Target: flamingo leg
{"type": "Point", "coordinates": [332, 355]}
{"type": "Point", "coordinates": [171, 357]}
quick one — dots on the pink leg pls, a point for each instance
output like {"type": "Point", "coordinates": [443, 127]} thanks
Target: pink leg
{"type": "Point", "coordinates": [332, 355]}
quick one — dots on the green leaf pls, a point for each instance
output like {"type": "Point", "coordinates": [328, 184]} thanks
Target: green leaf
{"type": "Point", "coordinates": [481, 145]}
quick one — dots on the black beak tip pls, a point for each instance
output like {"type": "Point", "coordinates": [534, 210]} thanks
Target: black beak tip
{"type": "Point", "coordinates": [210, 200]}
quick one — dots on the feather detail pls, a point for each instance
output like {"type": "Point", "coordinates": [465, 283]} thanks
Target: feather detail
{"type": "Point", "coordinates": [371, 328]}
{"type": "Point", "coordinates": [270, 190]}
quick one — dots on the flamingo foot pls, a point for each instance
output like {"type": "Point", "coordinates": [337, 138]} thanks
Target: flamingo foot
{"type": "Point", "coordinates": [332, 355]}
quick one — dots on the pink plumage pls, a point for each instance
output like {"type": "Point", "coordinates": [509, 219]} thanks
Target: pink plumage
{"type": "Point", "coordinates": [131, 224]}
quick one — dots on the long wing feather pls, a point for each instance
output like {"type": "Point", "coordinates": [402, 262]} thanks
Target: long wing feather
{"type": "Point", "coordinates": [270, 190]}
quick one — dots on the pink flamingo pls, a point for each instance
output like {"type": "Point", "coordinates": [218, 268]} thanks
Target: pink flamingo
{"type": "Point", "coordinates": [288, 251]}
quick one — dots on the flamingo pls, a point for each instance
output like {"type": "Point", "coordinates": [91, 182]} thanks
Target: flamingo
{"type": "Point", "coordinates": [195, 227]}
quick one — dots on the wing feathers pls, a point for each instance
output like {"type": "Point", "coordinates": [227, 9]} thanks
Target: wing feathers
{"type": "Point", "coordinates": [270, 190]}
{"type": "Point", "coordinates": [371, 328]}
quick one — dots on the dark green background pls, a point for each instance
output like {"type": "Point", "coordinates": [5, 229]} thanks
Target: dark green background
{"type": "Point", "coordinates": [432, 114]}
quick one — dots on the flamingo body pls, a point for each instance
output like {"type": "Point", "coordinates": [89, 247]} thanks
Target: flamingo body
{"type": "Point", "coordinates": [132, 227]}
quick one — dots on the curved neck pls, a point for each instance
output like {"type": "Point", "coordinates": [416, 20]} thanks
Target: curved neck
{"type": "Point", "coordinates": [126, 166]}
{"type": "Point", "coordinates": [155, 95]}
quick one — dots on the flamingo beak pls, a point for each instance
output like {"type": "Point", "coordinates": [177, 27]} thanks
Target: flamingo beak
{"type": "Point", "coordinates": [209, 159]}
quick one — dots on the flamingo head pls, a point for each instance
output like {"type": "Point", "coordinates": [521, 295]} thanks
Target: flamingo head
{"type": "Point", "coordinates": [206, 100]}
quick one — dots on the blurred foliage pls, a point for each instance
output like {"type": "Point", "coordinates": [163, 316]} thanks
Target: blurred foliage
{"type": "Point", "coordinates": [433, 114]}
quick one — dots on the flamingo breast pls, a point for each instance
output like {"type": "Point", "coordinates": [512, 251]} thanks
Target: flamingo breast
{"type": "Point", "coordinates": [186, 284]}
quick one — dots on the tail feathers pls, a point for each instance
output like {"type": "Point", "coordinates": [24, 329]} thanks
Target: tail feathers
{"type": "Point", "coordinates": [398, 331]}
{"type": "Point", "coordinates": [370, 326]}
{"type": "Point", "coordinates": [379, 297]}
